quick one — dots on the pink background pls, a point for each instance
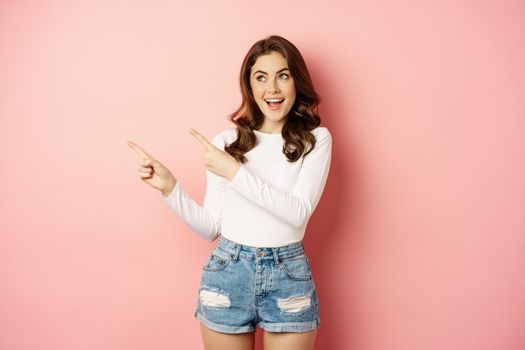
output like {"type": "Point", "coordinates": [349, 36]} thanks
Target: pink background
{"type": "Point", "coordinates": [418, 242]}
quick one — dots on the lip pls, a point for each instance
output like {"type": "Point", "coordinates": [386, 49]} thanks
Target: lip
{"type": "Point", "coordinates": [275, 108]}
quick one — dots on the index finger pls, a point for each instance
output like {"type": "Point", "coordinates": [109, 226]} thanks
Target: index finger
{"type": "Point", "coordinates": [139, 150]}
{"type": "Point", "coordinates": [207, 144]}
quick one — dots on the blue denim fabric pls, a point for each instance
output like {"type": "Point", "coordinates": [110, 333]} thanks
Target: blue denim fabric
{"type": "Point", "coordinates": [244, 287]}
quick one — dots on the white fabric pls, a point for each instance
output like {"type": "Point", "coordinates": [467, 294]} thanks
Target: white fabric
{"type": "Point", "coordinates": [269, 201]}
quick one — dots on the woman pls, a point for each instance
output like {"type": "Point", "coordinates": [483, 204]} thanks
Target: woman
{"type": "Point", "coordinates": [264, 180]}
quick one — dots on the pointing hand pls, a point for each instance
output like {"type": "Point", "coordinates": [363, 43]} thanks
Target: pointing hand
{"type": "Point", "coordinates": [216, 160]}
{"type": "Point", "coordinates": [153, 172]}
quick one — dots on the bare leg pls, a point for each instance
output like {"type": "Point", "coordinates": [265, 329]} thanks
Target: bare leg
{"type": "Point", "coordinates": [214, 340]}
{"type": "Point", "coordinates": [289, 341]}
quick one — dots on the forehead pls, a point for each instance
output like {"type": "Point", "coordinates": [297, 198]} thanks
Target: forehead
{"type": "Point", "coordinates": [270, 63]}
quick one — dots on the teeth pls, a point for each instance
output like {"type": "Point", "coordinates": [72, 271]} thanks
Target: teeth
{"type": "Point", "coordinates": [274, 99]}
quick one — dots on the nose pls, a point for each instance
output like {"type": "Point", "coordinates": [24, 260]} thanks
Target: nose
{"type": "Point", "coordinates": [275, 86]}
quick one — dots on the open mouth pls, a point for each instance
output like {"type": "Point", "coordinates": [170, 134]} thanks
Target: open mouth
{"type": "Point", "coordinates": [274, 103]}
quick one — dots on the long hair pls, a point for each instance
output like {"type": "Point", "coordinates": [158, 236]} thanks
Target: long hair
{"type": "Point", "coordinates": [302, 118]}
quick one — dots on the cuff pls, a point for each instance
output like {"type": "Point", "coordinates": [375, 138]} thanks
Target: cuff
{"type": "Point", "coordinates": [176, 188]}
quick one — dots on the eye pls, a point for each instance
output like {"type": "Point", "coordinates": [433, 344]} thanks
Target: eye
{"type": "Point", "coordinates": [286, 75]}
{"type": "Point", "coordinates": [260, 76]}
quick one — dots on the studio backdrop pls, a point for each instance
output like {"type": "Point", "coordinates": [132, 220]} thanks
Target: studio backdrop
{"type": "Point", "coordinates": [418, 242]}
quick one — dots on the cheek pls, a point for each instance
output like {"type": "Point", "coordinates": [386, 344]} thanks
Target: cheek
{"type": "Point", "coordinates": [256, 89]}
{"type": "Point", "coordinates": [258, 97]}
{"type": "Point", "coordinates": [258, 92]}
{"type": "Point", "coordinates": [291, 96]}
{"type": "Point", "coordinates": [290, 90]}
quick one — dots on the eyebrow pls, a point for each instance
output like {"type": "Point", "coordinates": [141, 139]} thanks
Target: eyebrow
{"type": "Point", "coordinates": [279, 71]}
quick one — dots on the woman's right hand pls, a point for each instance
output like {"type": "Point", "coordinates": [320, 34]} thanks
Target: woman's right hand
{"type": "Point", "coordinates": [152, 172]}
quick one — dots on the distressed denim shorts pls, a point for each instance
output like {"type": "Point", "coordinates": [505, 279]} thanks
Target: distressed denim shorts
{"type": "Point", "coordinates": [244, 287]}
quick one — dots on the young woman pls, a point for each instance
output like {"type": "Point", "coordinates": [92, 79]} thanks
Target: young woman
{"type": "Point", "coordinates": [264, 179]}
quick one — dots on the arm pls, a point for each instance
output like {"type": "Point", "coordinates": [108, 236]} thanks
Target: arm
{"type": "Point", "coordinates": [205, 220]}
{"type": "Point", "coordinates": [297, 205]}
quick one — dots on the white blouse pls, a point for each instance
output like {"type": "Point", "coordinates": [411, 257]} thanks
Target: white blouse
{"type": "Point", "coordinates": [269, 201]}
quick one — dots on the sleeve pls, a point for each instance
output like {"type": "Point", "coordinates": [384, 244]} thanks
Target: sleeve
{"type": "Point", "coordinates": [205, 220]}
{"type": "Point", "coordinates": [297, 205]}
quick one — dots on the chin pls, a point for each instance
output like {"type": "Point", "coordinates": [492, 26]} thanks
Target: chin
{"type": "Point", "coordinates": [274, 119]}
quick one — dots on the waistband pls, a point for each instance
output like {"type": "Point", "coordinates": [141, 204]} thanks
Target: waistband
{"type": "Point", "coordinates": [278, 253]}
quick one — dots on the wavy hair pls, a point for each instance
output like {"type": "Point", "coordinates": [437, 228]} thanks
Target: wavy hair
{"type": "Point", "coordinates": [302, 118]}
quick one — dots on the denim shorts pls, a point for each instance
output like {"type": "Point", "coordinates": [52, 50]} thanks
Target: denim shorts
{"type": "Point", "coordinates": [244, 287]}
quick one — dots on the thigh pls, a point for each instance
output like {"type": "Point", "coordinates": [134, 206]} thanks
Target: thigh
{"type": "Point", "coordinates": [290, 304]}
{"type": "Point", "coordinates": [225, 301]}
{"type": "Point", "coordinates": [213, 340]}
{"type": "Point", "coordinates": [289, 341]}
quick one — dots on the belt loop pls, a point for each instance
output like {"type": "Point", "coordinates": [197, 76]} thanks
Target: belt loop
{"type": "Point", "coordinates": [235, 255]}
{"type": "Point", "coordinates": [276, 256]}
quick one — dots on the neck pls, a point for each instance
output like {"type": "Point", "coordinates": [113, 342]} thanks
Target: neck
{"type": "Point", "coordinates": [274, 128]}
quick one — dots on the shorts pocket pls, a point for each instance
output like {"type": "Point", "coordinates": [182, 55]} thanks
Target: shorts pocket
{"type": "Point", "coordinates": [297, 268]}
{"type": "Point", "coordinates": [218, 260]}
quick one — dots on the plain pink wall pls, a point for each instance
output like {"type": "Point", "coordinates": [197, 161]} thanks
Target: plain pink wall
{"type": "Point", "coordinates": [419, 239]}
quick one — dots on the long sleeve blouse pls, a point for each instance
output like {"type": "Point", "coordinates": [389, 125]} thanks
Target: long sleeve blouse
{"type": "Point", "coordinates": [269, 201]}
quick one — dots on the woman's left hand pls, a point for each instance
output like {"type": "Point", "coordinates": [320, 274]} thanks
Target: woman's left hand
{"type": "Point", "coordinates": [216, 160]}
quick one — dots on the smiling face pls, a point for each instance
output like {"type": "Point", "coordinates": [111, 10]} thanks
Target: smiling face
{"type": "Point", "coordinates": [273, 89]}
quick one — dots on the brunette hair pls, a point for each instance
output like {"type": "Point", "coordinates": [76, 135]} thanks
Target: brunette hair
{"type": "Point", "coordinates": [303, 116]}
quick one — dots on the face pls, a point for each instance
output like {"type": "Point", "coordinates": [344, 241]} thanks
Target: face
{"type": "Point", "coordinates": [271, 80]}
